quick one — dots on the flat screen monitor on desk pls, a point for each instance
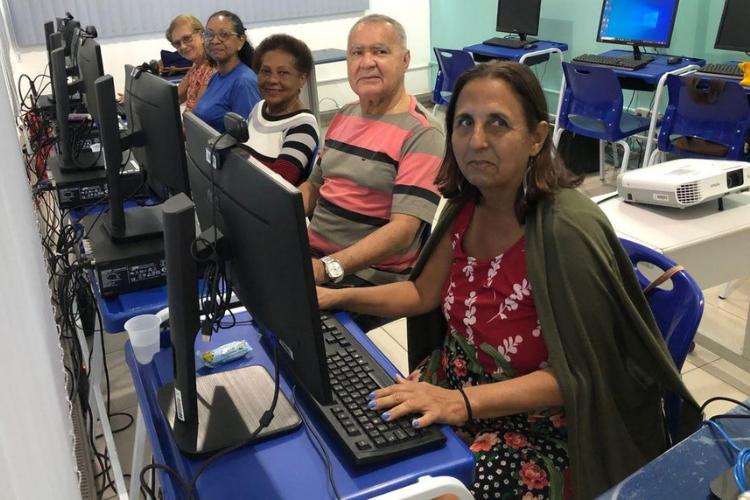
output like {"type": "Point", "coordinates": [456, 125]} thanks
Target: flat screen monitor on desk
{"type": "Point", "coordinates": [640, 23]}
{"type": "Point", "coordinates": [90, 67]}
{"type": "Point", "coordinates": [519, 17]}
{"type": "Point", "coordinates": [156, 141]}
{"type": "Point", "coordinates": [72, 157]}
{"type": "Point", "coordinates": [734, 33]}
{"type": "Point", "coordinates": [263, 241]}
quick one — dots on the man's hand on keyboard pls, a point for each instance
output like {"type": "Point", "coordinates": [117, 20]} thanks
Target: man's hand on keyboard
{"type": "Point", "coordinates": [435, 404]}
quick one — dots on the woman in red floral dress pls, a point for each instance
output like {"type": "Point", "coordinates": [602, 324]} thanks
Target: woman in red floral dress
{"type": "Point", "coordinates": [494, 335]}
{"type": "Point", "coordinates": [494, 352]}
{"type": "Point", "coordinates": [503, 358]}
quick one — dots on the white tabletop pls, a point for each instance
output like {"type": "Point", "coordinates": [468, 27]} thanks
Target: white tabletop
{"type": "Point", "coordinates": [713, 245]}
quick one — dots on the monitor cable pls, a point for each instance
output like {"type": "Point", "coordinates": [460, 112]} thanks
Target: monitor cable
{"type": "Point", "coordinates": [320, 447]}
{"type": "Point", "coordinates": [743, 454]}
{"type": "Point", "coordinates": [265, 420]}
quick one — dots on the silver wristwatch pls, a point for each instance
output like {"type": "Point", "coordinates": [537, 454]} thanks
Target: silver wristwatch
{"type": "Point", "coordinates": [334, 269]}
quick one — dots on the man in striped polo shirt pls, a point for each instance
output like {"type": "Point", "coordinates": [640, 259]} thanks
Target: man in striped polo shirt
{"type": "Point", "coordinates": [372, 192]}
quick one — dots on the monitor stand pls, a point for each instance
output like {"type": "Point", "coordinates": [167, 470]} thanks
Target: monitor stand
{"type": "Point", "coordinates": [221, 409]}
{"type": "Point", "coordinates": [639, 56]}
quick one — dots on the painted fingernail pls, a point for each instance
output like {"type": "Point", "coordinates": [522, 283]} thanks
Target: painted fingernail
{"type": "Point", "coordinates": [415, 423]}
{"type": "Point", "coordinates": [372, 404]}
{"type": "Point", "coordinates": [386, 416]}
{"type": "Point", "coordinates": [371, 396]}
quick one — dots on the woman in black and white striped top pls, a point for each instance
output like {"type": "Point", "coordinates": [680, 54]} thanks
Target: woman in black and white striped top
{"type": "Point", "coordinates": [283, 135]}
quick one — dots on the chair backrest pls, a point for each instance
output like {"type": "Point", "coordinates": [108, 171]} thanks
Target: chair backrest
{"type": "Point", "coordinates": [451, 63]}
{"type": "Point", "coordinates": [714, 110]}
{"type": "Point", "coordinates": [677, 312]}
{"type": "Point", "coordinates": [591, 92]}
{"type": "Point", "coordinates": [309, 167]}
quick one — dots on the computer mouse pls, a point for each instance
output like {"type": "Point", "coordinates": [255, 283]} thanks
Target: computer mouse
{"type": "Point", "coordinates": [529, 46]}
{"type": "Point", "coordinates": [674, 60]}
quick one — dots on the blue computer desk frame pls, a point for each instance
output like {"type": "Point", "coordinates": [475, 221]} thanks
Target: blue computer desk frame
{"type": "Point", "coordinates": [290, 466]}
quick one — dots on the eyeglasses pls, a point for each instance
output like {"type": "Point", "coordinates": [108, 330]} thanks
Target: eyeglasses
{"type": "Point", "coordinates": [184, 40]}
{"type": "Point", "coordinates": [223, 35]}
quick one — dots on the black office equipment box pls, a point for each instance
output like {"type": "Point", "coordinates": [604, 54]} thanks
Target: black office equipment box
{"type": "Point", "coordinates": [580, 153]}
{"type": "Point", "coordinates": [87, 187]}
{"type": "Point", "coordinates": [123, 268]}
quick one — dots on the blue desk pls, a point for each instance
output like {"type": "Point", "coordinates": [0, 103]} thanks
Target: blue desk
{"type": "Point", "coordinates": [116, 311]}
{"type": "Point", "coordinates": [651, 77]}
{"type": "Point", "coordinates": [540, 53]}
{"type": "Point", "coordinates": [287, 467]}
{"type": "Point", "coordinates": [686, 470]}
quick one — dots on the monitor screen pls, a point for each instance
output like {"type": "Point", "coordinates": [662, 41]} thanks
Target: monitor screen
{"type": "Point", "coordinates": [69, 28]}
{"type": "Point", "coordinates": [262, 219]}
{"type": "Point", "coordinates": [153, 112]}
{"type": "Point", "coordinates": [734, 33]}
{"type": "Point", "coordinates": [89, 69]}
{"type": "Point", "coordinates": [518, 16]}
{"type": "Point", "coordinates": [645, 23]}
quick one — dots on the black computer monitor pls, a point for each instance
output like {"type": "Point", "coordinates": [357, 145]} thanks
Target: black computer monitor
{"type": "Point", "coordinates": [734, 33]}
{"type": "Point", "coordinates": [156, 141]}
{"type": "Point", "coordinates": [71, 158]}
{"type": "Point", "coordinates": [49, 29]}
{"type": "Point", "coordinates": [262, 220]}
{"type": "Point", "coordinates": [640, 23]}
{"type": "Point", "coordinates": [90, 67]}
{"type": "Point", "coordinates": [68, 27]}
{"type": "Point", "coordinates": [518, 16]}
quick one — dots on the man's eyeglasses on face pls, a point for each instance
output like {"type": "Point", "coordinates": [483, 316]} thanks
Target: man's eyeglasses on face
{"type": "Point", "coordinates": [184, 40]}
{"type": "Point", "coordinates": [223, 35]}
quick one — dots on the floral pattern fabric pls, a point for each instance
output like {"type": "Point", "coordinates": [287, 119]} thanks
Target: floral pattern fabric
{"type": "Point", "coordinates": [197, 77]}
{"type": "Point", "coordinates": [494, 335]}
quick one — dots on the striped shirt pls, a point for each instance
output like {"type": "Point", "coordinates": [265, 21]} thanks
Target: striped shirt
{"type": "Point", "coordinates": [372, 166]}
{"type": "Point", "coordinates": [285, 144]}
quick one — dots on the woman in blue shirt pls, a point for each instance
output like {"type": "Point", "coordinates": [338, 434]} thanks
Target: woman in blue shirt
{"type": "Point", "coordinates": [234, 86]}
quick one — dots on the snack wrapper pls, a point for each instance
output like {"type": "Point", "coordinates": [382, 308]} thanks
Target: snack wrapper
{"type": "Point", "coordinates": [223, 354]}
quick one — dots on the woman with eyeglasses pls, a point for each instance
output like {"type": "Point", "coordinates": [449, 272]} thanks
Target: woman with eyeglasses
{"type": "Point", "coordinates": [185, 35]}
{"type": "Point", "coordinates": [234, 86]}
{"type": "Point", "coordinates": [283, 134]}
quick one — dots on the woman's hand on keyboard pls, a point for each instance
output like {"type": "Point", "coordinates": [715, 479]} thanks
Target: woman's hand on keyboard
{"type": "Point", "coordinates": [435, 404]}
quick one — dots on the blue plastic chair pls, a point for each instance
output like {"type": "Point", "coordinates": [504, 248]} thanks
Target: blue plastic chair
{"type": "Point", "coordinates": [592, 106]}
{"type": "Point", "coordinates": [677, 312]}
{"type": "Point", "coordinates": [725, 121]}
{"type": "Point", "coordinates": [451, 63]}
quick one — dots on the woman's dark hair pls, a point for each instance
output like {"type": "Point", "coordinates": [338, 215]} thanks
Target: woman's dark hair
{"type": "Point", "coordinates": [303, 60]}
{"type": "Point", "coordinates": [547, 172]}
{"type": "Point", "coordinates": [246, 51]}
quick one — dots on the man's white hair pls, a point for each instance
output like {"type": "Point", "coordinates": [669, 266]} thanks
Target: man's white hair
{"type": "Point", "coordinates": [382, 18]}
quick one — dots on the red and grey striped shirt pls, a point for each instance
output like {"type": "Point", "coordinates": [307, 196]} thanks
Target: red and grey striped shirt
{"type": "Point", "coordinates": [372, 166]}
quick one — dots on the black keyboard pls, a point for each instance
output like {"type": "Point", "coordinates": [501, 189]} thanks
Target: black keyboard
{"type": "Point", "coordinates": [621, 63]}
{"type": "Point", "coordinates": [511, 43]}
{"type": "Point", "coordinates": [726, 70]}
{"type": "Point", "coordinates": [354, 374]}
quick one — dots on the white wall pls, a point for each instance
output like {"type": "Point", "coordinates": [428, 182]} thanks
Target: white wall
{"type": "Point", "coordinates": [36, 454]}
{"type": "Point", "coordinates": [318, 34]}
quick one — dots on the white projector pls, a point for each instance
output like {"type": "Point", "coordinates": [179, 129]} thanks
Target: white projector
{"type": "Point", "coordinates": [684, 183]}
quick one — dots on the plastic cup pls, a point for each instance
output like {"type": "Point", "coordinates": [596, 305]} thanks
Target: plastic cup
{"type": "Point", "coordinates": [144, 335]}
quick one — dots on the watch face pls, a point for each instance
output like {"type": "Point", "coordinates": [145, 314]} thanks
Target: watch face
{"type": "Point", "coordinates": [334, 269]}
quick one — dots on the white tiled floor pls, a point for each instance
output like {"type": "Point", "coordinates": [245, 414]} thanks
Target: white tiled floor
{"type": "Point", "coordinates": [727, 316]}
